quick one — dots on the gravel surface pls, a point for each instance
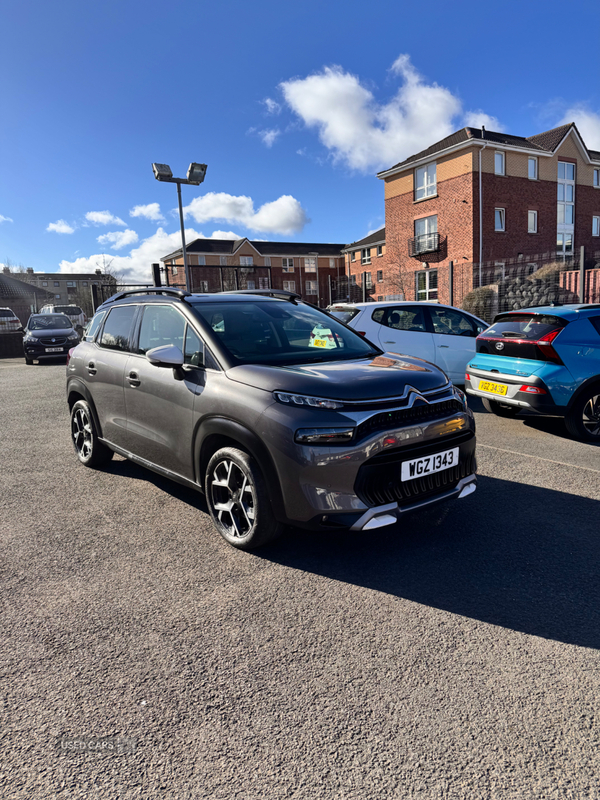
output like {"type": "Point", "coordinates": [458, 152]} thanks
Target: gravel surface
{"type": "Point", "coordinates": [453, 656]}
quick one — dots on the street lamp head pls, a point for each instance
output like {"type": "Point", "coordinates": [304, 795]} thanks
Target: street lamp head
{"type": "Point", "coordinates": [196, 173]}
{"type": "Point", "coordinates": [162, 172]}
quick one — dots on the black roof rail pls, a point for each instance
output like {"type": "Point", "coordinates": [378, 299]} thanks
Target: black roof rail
{"type": "Point", "coordinates": [282, 293]}
{"type": "Point", "coordinates": [157, 290]}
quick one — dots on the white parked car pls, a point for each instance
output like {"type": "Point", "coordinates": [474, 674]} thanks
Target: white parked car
{"type": "Point", "coordinates": [73, 312]}
{"type": "Point", "coordinates": [9, 322]}
{"type": "Point", "coordinates": [441, 334]}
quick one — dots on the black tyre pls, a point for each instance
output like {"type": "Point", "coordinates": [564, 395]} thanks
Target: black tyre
{"type": "Point", "coordinates": [90, 451]}
{"type": "Point", "coordinates": [500, 409]}
{"type": "Point", "coordinates": [238, 500]}
{"type": "Point", "coordinates": [583, 420]}
{"type": "Point", "coordinates": [28, 361]}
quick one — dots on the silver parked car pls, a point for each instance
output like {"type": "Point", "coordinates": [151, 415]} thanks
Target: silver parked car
{"type": "Point", "coordinates": [277, 411]}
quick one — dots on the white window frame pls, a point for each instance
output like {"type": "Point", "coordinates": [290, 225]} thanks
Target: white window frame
{"type": "Point", "coordinates": [289, 286]}
{"type": "Point", "coordinates": [250, 285]}
{"type": "Point", "coordinates": [499, 154]}
{"type": "Point", "coordinates": [311, 287]}
{"type": "Point", "coordinates": [223, 261]}
{"type": "Point", "coordinates": [267, 261]}
{"type": "Point", "coordinates": [365, 255]}
{"type": "Point", "coordinates": [310, 264]}
{"type": "Point", "coordinates": [246, 261]}
{"type": "Point", "coordinates": [428, 290]}
{"type": "Point", "coordinates": [501, 229]}
{"type": "Point", "coordinates": [532, 222]}
{"type": "Point", "coordinates": [369, 280]}
{"type": "Point", "coordinates": [263, 282]}
{"type": "Point", "coordinates": [532, 160]}
{"type": "Point", "coordinates": [203, 287]}
{"type": "Point", "coordinates": [379, 250]}
{"type": "Point", "coordinates": [379, 273]}
{"type": "Point", "coordinates": [332, 263]}
{"type": "Point", "coordinates": [201, 261]}
{"type": "Point", "coordinates": [595, 226]}
{"type": "Point", "coordinates": [174, 269]}
{"type": "Point", "coordinates": [287, 264]}
{"type": "Point", "coordinates": [425, 178]}
{"type": "Point", "coordinates": [596, 178]}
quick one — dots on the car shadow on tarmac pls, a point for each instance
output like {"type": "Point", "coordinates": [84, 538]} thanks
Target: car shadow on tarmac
{"type": "Point", "coordinates": [513, 555]}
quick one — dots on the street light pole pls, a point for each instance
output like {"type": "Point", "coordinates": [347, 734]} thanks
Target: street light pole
{"type": "Point", "coordinates": [195, 176]}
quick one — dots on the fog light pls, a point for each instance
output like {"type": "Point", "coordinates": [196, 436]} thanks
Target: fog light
{"type": "Point", "coordinates": [324, 436]}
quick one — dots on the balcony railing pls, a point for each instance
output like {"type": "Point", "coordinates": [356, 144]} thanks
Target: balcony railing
{"type": "Point", "coordinates": [426, 243]}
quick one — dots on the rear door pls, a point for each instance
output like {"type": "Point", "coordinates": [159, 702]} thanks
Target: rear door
{"type": "Point", "coordinates": [404, 329]}
{"type": "Point", "coordinates": [454, 335]}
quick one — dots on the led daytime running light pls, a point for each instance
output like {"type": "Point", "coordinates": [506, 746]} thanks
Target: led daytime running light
{"type": "Point", "coordinates": [303, 400]}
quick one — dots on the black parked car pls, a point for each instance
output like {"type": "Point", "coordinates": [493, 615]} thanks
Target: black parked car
{"type": "Point", "coordinates": [48, 336]}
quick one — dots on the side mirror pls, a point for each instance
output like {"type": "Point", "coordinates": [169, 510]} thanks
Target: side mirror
{"type": "Point", "coordinates": [166, 356]}
{"type": "Point", "coordinates": [20, 329]}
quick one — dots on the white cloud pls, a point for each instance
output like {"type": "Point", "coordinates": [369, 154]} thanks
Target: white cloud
{"type": "Point", "coordinates": [477, 119]}
{"type": "Point", "coordinates": [118, 239]}
{"type": "Point", "coordinates": [284, 215]}
{"type": "Point", "coordinates": [103, 218]}
{"type": "Point", "coordinates": [272, 106]}
{"type": "Point", "coordinates": [365, 134]}
{"type": "Point", "coordinates": [269, 135]}
{"type": "Point", "coordinates": [60, 227]}
{"type": "Point", "coordinates": [151, 212]}
{"type": "Point", "coordinates": [4, 219]}
{"type": "Point", "coordinates": [135, 267]}
{"type": "Point", "coordinates": [588, 124]}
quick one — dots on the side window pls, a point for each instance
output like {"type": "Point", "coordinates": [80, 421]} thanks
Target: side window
{"type": "Point", "coordinates": [117, 328]}
{"type": "Point", "coordinates": [406, 318]}
{"type": "Point", "coordinates": [92, 329]}
{"type": "Point", "coordinates": [161, 325]}
{"type": "Point", "coordinates": [193, 348]}
{"type": "Point", "coordinates": [452, 323]}
{"type": "Point", "coordinates": [595, 322]}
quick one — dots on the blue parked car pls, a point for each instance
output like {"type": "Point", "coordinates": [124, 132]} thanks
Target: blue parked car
{"type": "Point", "coordinates": [542, 359]}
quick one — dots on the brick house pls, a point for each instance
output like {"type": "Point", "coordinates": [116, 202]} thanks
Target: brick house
{"type": "Point", "coordinates": [64, 288]}
{"type": "Point", "coordinates": [479, 196]}
{"type": "Point", "coordinates": [226, 264]}
{"type": "Point", "coordinates": [367, 256]}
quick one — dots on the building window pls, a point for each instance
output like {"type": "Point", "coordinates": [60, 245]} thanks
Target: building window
{"type": "Point", "coordinates": [365, 256]}
{"type": "Point", "coordinates": [57, 297]}
{"type": "Point", "coordinates": [368, 280]}
{"type": "Point", "coordinates": [203, 286]}
{"type": "Point", "coordinates": [595, 226]}
{"type": "Point", "coordinates": [532, 168]}
{"type": "Point", "coordinates": [499, 219]}
{"type": "Point", "coordinates": [310, 264]}
{"type": "Point", "coordinates": [379, 250]}
{"type": "Point", "coordinates": [250, 285]}
{"type": "Point", "coordinates": [499, 163]}
{"type": "Point", "coordinates": [287, 264]}
{"type": "Point", "coordinates": [353, 256]}
{"type": "Point", "coordinates": [201, 261]}
{"type": "Point", "coordinates": [379, 298]}
{"type": "Point", "coordinates": [246, 261]}
{"type": "Point", "coordinates": [263, 283]}
{"type": "Point", "coordinates": [566, 171]}
{"type": "Point", "coordinates": [311, 287]}
{"type": "Point", "coordinates": [532, 221]}
{"type": "Point", "coordinates": [84, 283]}
{"type": "Point", "coordinates": [174, 270]}
{"type": "Point", "coordinates": [70, 283]}
{"type": "Point", "coordinates": [427, 285]}
{"type": "Point", "coordinates": [223, 261]}
{"type": "Point", "coordinates": [57, 283]}
{"type": "Point", "coordinates": [425, 181]}
{"type": "Point", "coordinates": [566, 196]}
{"type": "Point", "coordinates": [353, 280]}
{"type": "Point", "coordinates": [425, 230]}
{"type": "Point", "coordinates": [379, 275]}
{"type": "Point", "coordinates": [44, 283]}
{"type": "Point", "coordinates": [267, 261]}
{"type": "Point", "coordinates": [597, 177]}
{"type": "Point", "coordinates": [289, 286]}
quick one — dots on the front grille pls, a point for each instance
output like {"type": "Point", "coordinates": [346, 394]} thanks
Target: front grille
{"type": "Point", "coordinates": [378, 481]}
{"type": "Point", "coordinates": [56, 341]}
{"type": "Point", "coordinates": [424, 412]}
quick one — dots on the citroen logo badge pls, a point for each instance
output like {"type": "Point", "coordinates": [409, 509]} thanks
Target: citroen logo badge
{"type": "Point", "coordinates": [499, 345]}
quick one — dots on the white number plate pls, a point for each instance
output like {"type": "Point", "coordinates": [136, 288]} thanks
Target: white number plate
{"type": "Point", "coordinates": [429, 464]}
{"type": "Point", "coordinates": [54, 349]}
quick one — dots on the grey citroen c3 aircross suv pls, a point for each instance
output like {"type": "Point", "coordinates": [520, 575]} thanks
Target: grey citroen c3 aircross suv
{"type": "Point", "coordinates": [275, 410]}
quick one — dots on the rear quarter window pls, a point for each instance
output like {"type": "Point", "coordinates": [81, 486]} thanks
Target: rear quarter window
{"type": "Point", "coordinates": [595, 322]}
{"type": "Point", "coordinates": [344, 314]}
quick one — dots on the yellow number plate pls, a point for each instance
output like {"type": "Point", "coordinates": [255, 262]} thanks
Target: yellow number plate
{"type": "Point", "coordinates": [493, 388]}
{"type": "Point", "coordinates": [319, 343]}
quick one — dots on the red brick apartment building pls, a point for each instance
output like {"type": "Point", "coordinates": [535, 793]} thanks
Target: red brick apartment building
{"type": "Point", "coordinates": [480, 196]}
{"type": "Point", "coordinates": [225, 264]}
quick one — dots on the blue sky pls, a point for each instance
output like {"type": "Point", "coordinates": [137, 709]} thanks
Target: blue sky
{"type": "Point", "coordinates": [294, 107]}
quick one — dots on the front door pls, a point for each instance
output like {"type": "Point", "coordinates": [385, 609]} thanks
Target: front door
{"type": "Point", "coordinates": [160, 400]}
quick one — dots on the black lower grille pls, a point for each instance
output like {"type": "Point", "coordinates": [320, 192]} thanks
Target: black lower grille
{"type": "Point", "coordinates": [424, 412]}
{"type": "Point", "coordinates": [378, 481]}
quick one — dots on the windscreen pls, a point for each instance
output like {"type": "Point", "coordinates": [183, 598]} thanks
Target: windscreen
{"type": "Point", "coordinates": [530, 327]}
{"type": "Point", "coordinates": [49, 322]}
{"type": "Point", "coordinates": [280, 333]}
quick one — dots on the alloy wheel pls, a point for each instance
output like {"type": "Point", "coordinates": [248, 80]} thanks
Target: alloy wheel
{"type": "Point", "coordinates": [233, 498]}
{"type": "Point", "coordinates": [81, 431]}
{"type": "Point", "coordinates": [591, 416]}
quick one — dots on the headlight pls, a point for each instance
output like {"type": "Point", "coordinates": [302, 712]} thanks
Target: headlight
{"type": "Point", "coordinates": [324, 436]}
{"type": "Point", "coordinates": [460, 395]}
{"type": "Point", "coordinates": [29, 339]}
{"type": "Point", "coordinates": [303, 400]}
{"type": "Point", "coordinates": [73, 338]}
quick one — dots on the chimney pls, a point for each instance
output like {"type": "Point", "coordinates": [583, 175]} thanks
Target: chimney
{"type": "Point", "coordinates": [98, 272]}
{"type": "Point", "coordinates": [6, 270]}
{"type": "Point", "coordinates": [30, 270]}
{"type": "Point", "coordinates": [483, 131]}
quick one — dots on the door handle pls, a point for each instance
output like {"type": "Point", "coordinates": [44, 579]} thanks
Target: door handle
{"type": "Point", "coordinates": [91, 368]}
{"type": "Point", "coordinates": [133, 379]}
{"type": "Point", "coordinates": [443, 345]}
{"type": "Point", "coordinates": [389, 341]}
